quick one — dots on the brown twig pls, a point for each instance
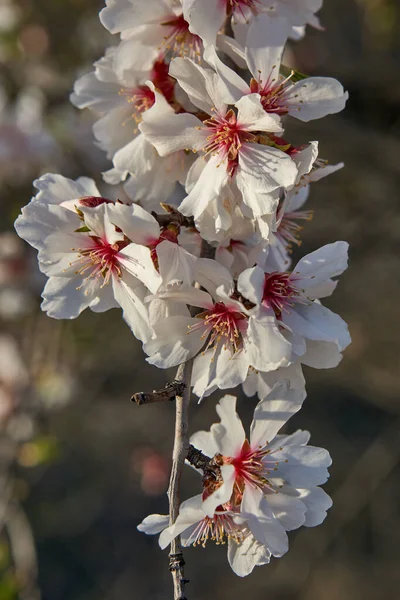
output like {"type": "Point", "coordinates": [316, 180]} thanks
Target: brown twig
{"type": "Point", "coordinates": [172, 216]}
{"type": "Point", "coordinates": [170, 392]}
{"type": "Point", "coordinates": [181, 446]}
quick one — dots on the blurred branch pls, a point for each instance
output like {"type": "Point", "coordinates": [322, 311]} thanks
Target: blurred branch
{"type": "Point", "coordinates": [170, 392]}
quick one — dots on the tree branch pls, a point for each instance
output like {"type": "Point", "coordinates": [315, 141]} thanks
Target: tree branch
{"type": "Point", "coordinates": [171, 390]}
{"type": "Point", "coordinates": [172, 216]}
{"type": "Point", "coordinates": [181, 446]}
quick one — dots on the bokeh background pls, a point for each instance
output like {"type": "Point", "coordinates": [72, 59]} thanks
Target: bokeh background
{"type": "Point", "coordinates": [80, 466]}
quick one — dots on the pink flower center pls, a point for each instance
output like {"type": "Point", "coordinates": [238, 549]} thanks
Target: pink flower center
{"type": "Point", "coordinates": [279, 292]}
{"type": "Point", "coordinates": [179, 41]}
{"type": "Point", "coordinates": [252, 468]}
{"type": "Point", "coordinates": [242, 7]}
{"type": "Point", "coordinates": [100, 261]}
{"type": "Point", "coordinates": [220, 527]}
{"type": "Point", "coordinates": [222, 325]}
{"type": "Point", "coordinates": [226, 138]}
{"type": "Point", "coordinates": [142, 98]}
{"type": "Point", "coordinates": [274, 93]}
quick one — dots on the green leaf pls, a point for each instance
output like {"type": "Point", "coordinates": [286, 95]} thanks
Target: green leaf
{"type": "Point", "coordinates": [297, 76]}
{"type": "Point", "coordinates": [83, 229]}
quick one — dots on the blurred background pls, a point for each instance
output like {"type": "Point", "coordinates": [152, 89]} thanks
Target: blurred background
{"type": "Point", "coordinates": [81, 466]}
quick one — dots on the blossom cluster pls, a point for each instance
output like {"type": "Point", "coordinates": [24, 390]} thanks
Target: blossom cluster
{"type": "Point", "coordinates": [191, 107]}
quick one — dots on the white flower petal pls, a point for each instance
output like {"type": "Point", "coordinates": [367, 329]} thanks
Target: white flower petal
{"type": "Point", "coordinates": [273, 412]}
{"type": "Point", "coordinates": [251, 284]}
{"type": "Point", "coordinates": [222, 493]}
{"type": "Point", "coordinates": [319, 266]}
{"type": "Point", "coordinates": [253, 117]}
{"type": "Point", "coordinates": [205, 18]}
{"type": "Point", "coordinates": [174, 342]}
{"type": "Point", "coordinates": [316, 97]}
{"type": "Point", "coordinates": [317, 502]}
{"type": "Point", "coordinates": [154, 524]}
{"type": "Point", "coordinates": [264, 47]}
{"type": "Point", "coordinates": [316, 322]}
{"type": "Point", "coordinates": [246, 555]}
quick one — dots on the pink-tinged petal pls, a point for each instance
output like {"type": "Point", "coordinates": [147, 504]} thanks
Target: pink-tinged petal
{"type": "Point", "coordinates": [318, 503]}
{"type": "Point", "coordinates": [209, 185]}
{"type": "Point", "coordinates": [221, 494]}
{"type": "Point", "coordinates": [248, 554]}
{"type": "Point", "coordinates": [265, 42]}
{"type": "Point", "coordinates": [137, 261]}
{"type": "Point", "coordinates": [129, 293]}
{"type": "Point", "coordinates": [174, 342]}
{"type": "Point", "coordinates": [251, 284]}
{"type": "Point", "coordinates": [319, 266]}
{"type": "Point", "coordinates": [273, 412]}
{"type": "Point", "coordinates": [205, 18]}
{"type": "Point", "coordinates": [253, 117]}
{"type": "Point", "coordinates": [316, 97]}
{"type": "Point", "coordinates": [316, 322]}
{"type": "Point", "coordinates": [154, 524]}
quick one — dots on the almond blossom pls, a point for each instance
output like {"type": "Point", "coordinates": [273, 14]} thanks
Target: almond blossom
{"type": "Point", "coordinates": [207, 18]}
{"type": "Point", "coordinates": [307, 99]}
{"type": "Point", "coordinates": [226, 337]}
{"type": "Point", "coordinates": [273, 478]}
{"type": "Point", "coordinates": [293, 297]}
{"type": "Point", "coordinates": [236, 155]}
{"type": "Point", "coordinates": [205, 281]}
{"type": "Point", "coordinates": [96, 253]}
{"type": "Point", "coordinates": [268, 485]}
{"type": "Point", "coordinates": [149, 30]}
{"type": "Point", "coordinates": [244, 551]}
